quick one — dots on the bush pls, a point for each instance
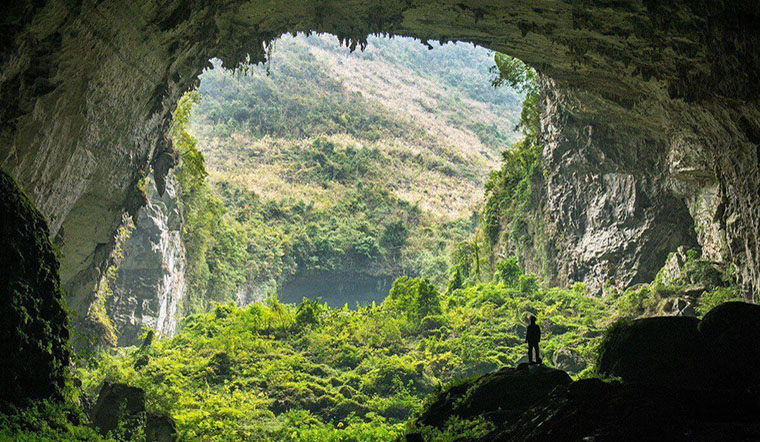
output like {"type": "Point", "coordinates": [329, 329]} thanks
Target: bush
{"type": "Point", "coordinates": [508, 271]}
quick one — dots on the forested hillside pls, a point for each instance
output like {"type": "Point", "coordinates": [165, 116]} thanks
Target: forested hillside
{"type": "Point", "coordinates": [338, 171]}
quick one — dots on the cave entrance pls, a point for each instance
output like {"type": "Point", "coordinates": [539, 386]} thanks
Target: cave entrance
{"type": "Point", "coordinates": [323, 173]}
{"type": "Point", "coordinates": [645, 100]}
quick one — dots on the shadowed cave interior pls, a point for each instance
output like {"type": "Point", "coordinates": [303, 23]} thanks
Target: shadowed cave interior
{"type": "Point", "coordinates": [649, 145]}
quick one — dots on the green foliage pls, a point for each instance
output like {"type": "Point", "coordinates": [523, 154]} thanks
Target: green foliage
{"type": "Point", "coordinates": [275, 371]}
{"type": "Point", "coordinates": [457, 429]}
{"type": "Point", "coordinates": [516, 74]}
{"type": "Point", "coordinates": [416, 298]}
{"type": "Point", "coordinates": [513, 192]}
{"type": "Point", "coordinates": [310, 312]}
{"type": "Point", "coordinates": [704, 283]}
{"type": "Point", "coordinates": [47, 421]}
{"type": "Point", "coordinates": [455, 282]}
{"type": "Point", "coordinates": [718, 295]}
{"type": "Point", "coordinates": [217, 256]}
{"type": "Point", "coordinates": [508, 271]}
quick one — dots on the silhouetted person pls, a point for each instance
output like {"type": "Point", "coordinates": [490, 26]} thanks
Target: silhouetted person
{"type": "Point", "coordinates": [532, 337]}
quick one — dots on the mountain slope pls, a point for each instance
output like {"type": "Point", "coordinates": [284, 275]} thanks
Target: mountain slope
{"type": "Point", "coordinates": [348, 169]}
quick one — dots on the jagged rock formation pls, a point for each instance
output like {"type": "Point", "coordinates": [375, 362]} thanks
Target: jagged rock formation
{"type": "Point", "coordinates": [35, 331]}
{"type": "Point", "coordinates": [87, 90]}
{"type": "Point", "coordinates": [150, 280]}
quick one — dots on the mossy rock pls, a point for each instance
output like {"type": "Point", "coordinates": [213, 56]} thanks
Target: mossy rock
{"type": "Point", "coordinates": [34, 336]}
{"type": "Point", "coordinates": [505, 393]}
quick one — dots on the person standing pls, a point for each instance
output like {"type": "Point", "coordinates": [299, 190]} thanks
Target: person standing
{"type": "Point", "coordinates": [533, 337]}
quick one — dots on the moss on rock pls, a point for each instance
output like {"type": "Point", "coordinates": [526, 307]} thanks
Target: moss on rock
{"type": "Point", "coordinates": [34, 336]}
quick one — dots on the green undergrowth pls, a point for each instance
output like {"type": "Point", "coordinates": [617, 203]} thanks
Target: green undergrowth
{"type": "Point", "coordinates": [308, 372]}
{"type": "Point", "coordinates": [690, 278]}
{"type": "Point", "coordinates": [46, 421]}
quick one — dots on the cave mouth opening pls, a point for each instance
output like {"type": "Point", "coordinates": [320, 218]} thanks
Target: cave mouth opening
{"type": "Point", "coordinates": [326, 172]}
{"type": "Point", "coordinates": [651, 117]}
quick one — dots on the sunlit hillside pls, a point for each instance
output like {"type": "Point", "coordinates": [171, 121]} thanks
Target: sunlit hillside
{"type": "Point", "coordinates": [410, 132]}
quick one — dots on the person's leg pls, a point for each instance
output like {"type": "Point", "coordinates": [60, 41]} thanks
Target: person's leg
{"type": "Point", "coordinates": [538, 358]}
{"type": "Point", "coordinates": [531, 346]}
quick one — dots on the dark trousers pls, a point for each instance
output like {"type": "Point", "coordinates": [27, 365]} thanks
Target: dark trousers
{"type": "Point", "coordinates": [533, 346]}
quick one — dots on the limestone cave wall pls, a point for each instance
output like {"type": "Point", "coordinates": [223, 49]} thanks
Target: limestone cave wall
{"type": "Point", "coordinates": [87, 90]}
{"type": "Point", "coordinates": [150, 284]}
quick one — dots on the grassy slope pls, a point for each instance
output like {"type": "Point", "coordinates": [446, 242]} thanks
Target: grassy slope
{"type": "Point", "coordinates": [424, 126]}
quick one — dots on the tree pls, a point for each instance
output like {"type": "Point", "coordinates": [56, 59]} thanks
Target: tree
{"type": "Point", "coordinates": [310, 311]}
{"type": "Point", "coordinates": [428, 300]}
{"type": "Point", "coordinates": [414, 297]}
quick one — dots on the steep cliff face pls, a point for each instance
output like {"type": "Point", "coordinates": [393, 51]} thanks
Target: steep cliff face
{"type": "Point", "coordinates": [87, 90]}
{"type": "Point", "coordinates": [150, 280]}
{"type": "Point", "coordinates": [612, 200]}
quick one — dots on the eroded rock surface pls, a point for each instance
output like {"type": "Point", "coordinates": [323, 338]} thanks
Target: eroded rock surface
{"type": "Point", "coordinates": [150, 280]}
{"type": "Point", "coordinates": [653, 113]}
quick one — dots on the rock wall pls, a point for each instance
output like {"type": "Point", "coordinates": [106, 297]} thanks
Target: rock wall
{"type": "Point", "coordinates": [606, 202]}
{"type": "Point", "coordinates": [34, 335]}
{"type": "Point", "coordinates": [87, 90]}
{"type": "Point", "coordinates": [150, 280]}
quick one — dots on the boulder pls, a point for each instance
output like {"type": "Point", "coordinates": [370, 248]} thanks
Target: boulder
{"type": "Point", "coordinates": [593, 410]}
{"type": "Point", "coordinates": [731, 335]}
{"type": "Point", "coordinates": [116, 401]}
{"type": "Point", "coordinates": [568, 360]}
{"type": "Point", "coordinates": [720, 351]}
{"type": "Point", "coordinates": [119, 402]}
{"type": "Point", "coordinates": [507, 392]}
{"type": "Point", "coordinates": [662, 350]}
{"type": "Point", "coordinates": [160, 428]}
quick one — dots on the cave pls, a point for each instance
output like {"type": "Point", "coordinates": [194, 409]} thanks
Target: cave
{"type": "Point", "coordinates": [651, 115]}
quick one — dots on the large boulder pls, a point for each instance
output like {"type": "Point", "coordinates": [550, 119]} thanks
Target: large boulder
{"type": "Point", "coordinates": [505, 393]}
{"type": "Point", "coordinates": [664, 350]}
{"type": "Point", "coordinates": [720, 351]}
{"type": "Point", "coordinates": [120, 403]}
{"type": "Point", "coordinates": [731, 335]}
{"type": "Point", "coordinates": [115, 402]}
{"type": "Point", "coordinates": [34, 333]}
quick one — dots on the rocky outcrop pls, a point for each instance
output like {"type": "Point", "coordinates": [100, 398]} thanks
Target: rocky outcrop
{"type": "Point", "coordinates": [34, 334]}
{"type": "Point", "coordinates": [682, 380]}
{"type": "Point", "coordinates": [606, 412]}
{"type": "Point", "coordinates": [503, 394]}
{"type": "Point", "coordinates": [119, 404]}
{"type": "Point", "coordinates": [594, 410]}
{"type": "Point", "coordinates": [720, 351]}
{"type": "Point", "coordinates": [150, 279]}
{"type": "Point", "coordinates": [87, 91]}
{"type": "Point", "coordinates": [603, 203]}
